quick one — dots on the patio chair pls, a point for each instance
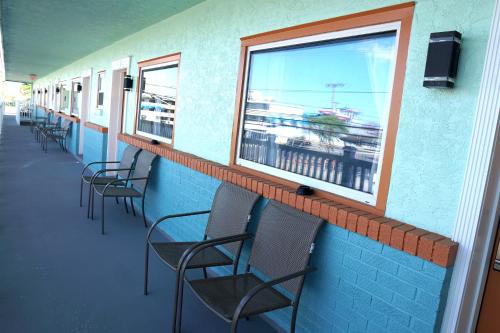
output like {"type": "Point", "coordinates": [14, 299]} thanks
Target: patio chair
{"type": "Point", "coordinates": [40, 123]}
{"type": "Point", "coordinates": [281, 249]}
{"type": "Point", "coordinates": [57, 134]}
{"type": "Point", "coordinates": [135, 187]}
{"type": "Point", "coordinates": [125, 167]}
{"type": "Point", "coordinates": [229, 215]}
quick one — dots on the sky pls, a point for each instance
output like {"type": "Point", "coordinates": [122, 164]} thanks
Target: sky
{"type": "Point", "coordinates": [364, 65]}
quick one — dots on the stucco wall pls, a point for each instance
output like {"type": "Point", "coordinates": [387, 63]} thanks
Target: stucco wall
{"type": "Point", "coordinates": [435, 125]}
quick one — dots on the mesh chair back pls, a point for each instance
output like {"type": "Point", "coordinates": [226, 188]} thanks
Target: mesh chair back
{"type": "Point", "coordinates": [283, 242]}
{"type": "Point", "coordinates": [231, 208]}
{"type": "Point", "coordinates": [66, 126]}
{"type": "Point", "coordinates": [128, 159]}
{"type": "Point", "coordinates": [142, 169]}
{"type": "Point", "coordinates": [53, 118]}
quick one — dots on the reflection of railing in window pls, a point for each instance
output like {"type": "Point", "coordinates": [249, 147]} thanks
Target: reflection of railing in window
{"type": "Point", "coordinates": [345, 170]}
{"type": "Point", "coordinates": [161, 129]}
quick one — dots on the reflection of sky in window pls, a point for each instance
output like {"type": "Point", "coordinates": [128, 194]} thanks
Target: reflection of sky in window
{"type": "Point", "coordinates": [299, 76]}
{"type": "Point", "coordinates": [161, 81]}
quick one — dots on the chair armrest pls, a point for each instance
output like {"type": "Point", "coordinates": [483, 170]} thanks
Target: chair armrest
{"type": "Point", "coordinates": [196, 248]}
{"type": "Point", "coordinates": [121, 180]}
{"type": "Point", "coordinates": [98, 162]}
{"type": "Point", "coordinates": [269, 284]}
{"type": "Point", "coordinates": [173, 216]}
{"type": "Point", "coordinates": [100, 172]}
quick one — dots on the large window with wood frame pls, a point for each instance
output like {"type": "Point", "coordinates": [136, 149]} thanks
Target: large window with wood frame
{"type": "Point", "coordinates": [315, 109]}
{"type": "Point", "coordinates": [157, 98]}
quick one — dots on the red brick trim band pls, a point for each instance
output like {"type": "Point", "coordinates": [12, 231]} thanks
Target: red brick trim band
{"type": "Point", "coordinates": [96, 127]}
{"type": "Point", "coordinates": [65, 116]}
{"type": "Point", "coordinates": [418, 242]}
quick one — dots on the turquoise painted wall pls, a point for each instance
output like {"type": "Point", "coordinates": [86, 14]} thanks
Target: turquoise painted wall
{"type": "Point", "coordinates": [95, 147]}
{"type": "Point", "coordinates": [360, 285]}
{"type": "Point", "coordinates": [435, 125]}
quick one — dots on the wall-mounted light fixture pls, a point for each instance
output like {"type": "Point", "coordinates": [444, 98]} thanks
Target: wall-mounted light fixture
{"type": "Point", "coordinates": [442, 59]}
{"type": "Point", "coordinates": [57, 90]}
{"type": "Point", "coordinates": [78, 87]}
{"type": "Point", "coordinates": [127, 83]}
{"type": "Point", "coordinates": [45, 90]}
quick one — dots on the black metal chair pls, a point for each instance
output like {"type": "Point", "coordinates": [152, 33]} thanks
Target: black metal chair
{"type": "Point", "coordinates": [135, 187]}
{"type": "Point", "coordinates": [100, 177]}
{"type": "Point", "coordinates": [281, 250]}
{"type": "Point", "coordinates": [51, 121]}
{"type": "Point", "coordinates": [229, 216]}
{"type": "Point", "coordinates": [58, 134]}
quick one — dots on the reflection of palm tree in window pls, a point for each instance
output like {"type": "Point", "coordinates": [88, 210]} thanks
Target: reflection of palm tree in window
{"type": "Point", "coordinates": [328, 128]}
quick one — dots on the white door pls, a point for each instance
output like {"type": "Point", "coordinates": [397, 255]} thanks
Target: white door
{"type": "Point", "coordinates": [115, 112]}
{"type": "Point", "coordinates": [85, 110]}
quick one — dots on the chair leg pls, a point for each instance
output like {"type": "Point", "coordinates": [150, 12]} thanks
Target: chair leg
{"type": "Point", "coordinates": [205, 275]}
{"type": "Point", "coordinates": [143, 213]}
{"type": "Point", "coordinates": [90, 200]}
{"type": "Point", "coordinates": [132, 205]}
{"type": "Point", "coordinates": [81, 191]}
{"type": "Point", "coordinates": [92, 209]}
{"type": "Point", "coordinates": [117, 202]}
{"type": "Point", "coordinates": [125, 203]}
{"type": "Point", "coordinates": [146, 269]}
{"type": "Point", "coordinates": [179, 284]}
{"type": "Point", "coordinates": [102, 215]}
{"type": "Point", "coordinates": [234, 326]}
{"type": "Point", "coordinates": [294, 318]}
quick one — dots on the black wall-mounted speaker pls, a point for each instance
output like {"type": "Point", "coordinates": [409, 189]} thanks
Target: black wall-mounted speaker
{"type": "Point", "coordinates": [127, 83]}
{"type": "Point", "coordinates": [442, 59]}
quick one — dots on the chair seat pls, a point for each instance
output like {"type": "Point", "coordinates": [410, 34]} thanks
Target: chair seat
{"type": "Point", "coordinates": [171, 253]}
{"type": "Point", "coordinates": [103, 180]}
{"type": "Point", "coordinates": [114, 191]}
{"type": "Point", "coordinates": [223, 294]}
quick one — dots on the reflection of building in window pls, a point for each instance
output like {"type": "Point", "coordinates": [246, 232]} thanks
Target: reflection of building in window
{"type": "Point", "coordinates": [157, 101]}
{"type": "Point", "coordinates": [299, 125]}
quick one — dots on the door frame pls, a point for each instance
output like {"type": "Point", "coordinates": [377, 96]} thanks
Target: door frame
{"type": "Point", "coordinates": [86, 78]}
{"type": "Point", "coordinates": [478, 209]}
{"type": "Point", "coordinates": [117, 98]}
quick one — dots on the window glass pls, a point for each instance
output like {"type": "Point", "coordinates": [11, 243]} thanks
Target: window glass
{"type": "Point", "coordinates": [75, 99]}
{"type": "Point", "coordinates": [64, 97]}
{"type": "Point", "coordinates": [158, 94]}
{"type": "Point", "coordinates": [316, 111]}
{"type": "Point", "coordinates": [100, 89]}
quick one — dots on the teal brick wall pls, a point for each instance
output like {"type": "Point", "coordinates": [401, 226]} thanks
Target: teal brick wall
{"type": "Point", "coordinates": [95, 147]}
{"type": "Point", "coordinates": [360, 286]}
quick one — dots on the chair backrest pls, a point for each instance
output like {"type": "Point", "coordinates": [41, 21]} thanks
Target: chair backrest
{"type": "Point", "coordinates": [54, 119]}
{"type": "Point", "coordinates": [129, 157]}
{"type": "Point", "coordinates": [66, 126]}
{"type": "Point", "coordinates": [283, 243]}
{"type": "Point", "coordinates": [143, 169]}
{"type": "Point", "coordinates": [230, 213]}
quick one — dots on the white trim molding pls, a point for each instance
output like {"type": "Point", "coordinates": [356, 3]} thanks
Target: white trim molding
{"type": "Point", "coordinates": [477, 209]}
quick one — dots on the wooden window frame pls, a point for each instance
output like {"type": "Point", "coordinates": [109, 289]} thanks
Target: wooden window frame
{"type": "Point", "coordinates": [174, 57]}
{"type": "Point", "coordinates": [402, 13]}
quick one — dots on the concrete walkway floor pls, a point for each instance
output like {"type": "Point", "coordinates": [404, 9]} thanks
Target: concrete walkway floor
{"type": "Point", "coordinates": [58, 273]}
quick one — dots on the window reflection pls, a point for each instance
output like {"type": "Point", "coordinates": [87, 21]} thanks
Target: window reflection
{"type": "Point", "coordinates": [157, 102]}
{"type": "Point", "coordinates": [320, 109]}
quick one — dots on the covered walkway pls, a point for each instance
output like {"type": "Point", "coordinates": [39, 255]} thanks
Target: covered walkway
{"type": "Point", "coordinates": [58, 273]}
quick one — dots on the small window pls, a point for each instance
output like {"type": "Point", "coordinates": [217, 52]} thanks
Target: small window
{"type": "Point", "coordinates": [64, 107]}
{"type": "Point", "coordinates": [315, 109]}
{"type": "Point", "coordinates": [100, 90]}
{"type": "Point", "coordinates": [157, 98]}
{"type": "Point", "coordinates": [75, 98]}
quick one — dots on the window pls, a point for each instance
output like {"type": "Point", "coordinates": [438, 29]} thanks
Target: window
{"type": "Point", "coordinates": [315, 108]}
{"type": "Point", "coordinates": [64, 107]}
{"type": "Point", "coordinates": [100, 90]}
{"type": "Point", "coordinates": [75, 98]}
{"type": "Point", "coordinates": [157, 98]}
